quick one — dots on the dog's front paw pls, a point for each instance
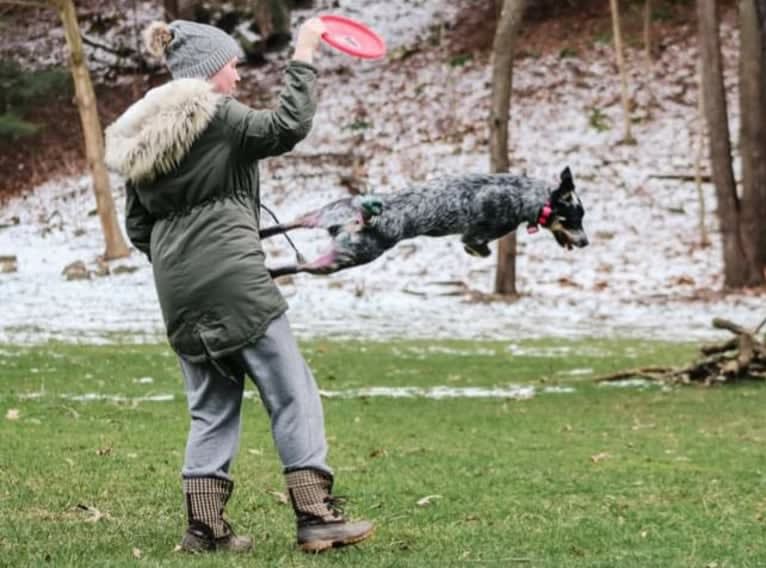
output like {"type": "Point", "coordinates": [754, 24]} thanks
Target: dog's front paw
{"type": "Point", "coordinates": [481, 250]}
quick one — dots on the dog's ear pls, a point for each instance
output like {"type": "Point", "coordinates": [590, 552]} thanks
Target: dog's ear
{"type": "Point", "coordinates": [566, 186]}
{"type": "Point", "coordinates": [567, 183]}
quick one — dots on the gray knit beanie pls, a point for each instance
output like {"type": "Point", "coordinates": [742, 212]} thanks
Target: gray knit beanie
{"type": "Point", "coordinates": [191, 49]}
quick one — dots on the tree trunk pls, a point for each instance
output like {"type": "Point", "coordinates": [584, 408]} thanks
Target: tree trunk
{"type": "Point", "coordinates": [752, 143]}
{"type": "Point", "coordinates": [503, 49]}
{"type": "Point", "coordinates": [180, 9]}
{"type": "Point", "coordinates": [760, 6]}
{"type": "Point", "coordinates": [627, 135]}
{"type": "Point", "coordinates": [171, 9]}
{"type": "Point", "coordinates": [698, 159]}
{"type": "Point", "coordinates": [735, 267]}
{"type": "Point", "coordinates": [273, 20]}
{"type": "Point", "coordinates": [91, 127]}
{"type": "Point", "coordinates": [648, 31]}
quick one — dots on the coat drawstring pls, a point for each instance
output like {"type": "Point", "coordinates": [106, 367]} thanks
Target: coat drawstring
{"type": "Point", "coordinates": [215, 363]}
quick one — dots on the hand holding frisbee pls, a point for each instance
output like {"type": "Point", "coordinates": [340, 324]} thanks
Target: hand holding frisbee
{"type": "Point", "coordinates": [352, 37]}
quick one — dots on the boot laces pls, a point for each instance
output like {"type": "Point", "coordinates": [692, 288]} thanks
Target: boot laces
{"type": "Point", "coordinates": [335, 504]}
{"type": "Point", "coordinates": [228, 530]}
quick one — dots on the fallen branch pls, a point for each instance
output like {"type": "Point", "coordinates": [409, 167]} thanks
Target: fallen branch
{"type": "Point", "coordinates": [742, 357]}
{"type": "Point", "coordinates": [720, 323]}
{"type": "Point", "coordinates": [706, 178]}
{"type": "Point", "coordinates": [650, 373]}
{"type": "Point", "coordinates": [120, 51]}
{"type": "Point", "coordinates": [720, 348]}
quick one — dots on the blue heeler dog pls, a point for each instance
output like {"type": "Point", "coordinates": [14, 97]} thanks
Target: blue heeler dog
{"type": "Point", "coordinates": [481, 208]}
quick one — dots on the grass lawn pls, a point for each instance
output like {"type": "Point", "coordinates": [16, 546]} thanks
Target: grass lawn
{"type": "Point", "coordinates": [598, 476]}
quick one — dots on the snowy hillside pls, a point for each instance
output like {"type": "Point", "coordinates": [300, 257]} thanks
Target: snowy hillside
{"type": "Point", "coordinates": [399, 121]}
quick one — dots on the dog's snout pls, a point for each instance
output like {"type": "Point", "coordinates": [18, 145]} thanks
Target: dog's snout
{"type": "Point", "coordinates": [578, 238]}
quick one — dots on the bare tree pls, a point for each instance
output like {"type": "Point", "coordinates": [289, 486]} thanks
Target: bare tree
{"type": "Point", "coordinates": [648, 31]}
{"type": "Point", "coordinates": [503, 49]}
{"type": "Point", "coordinates": [761, 8]}
{"type": "Point", "coordinates": [273, 18]}
{"type": "Point", "coordinates": [260, 25]}
{"type": "Point", "coordinates": [180, 9]}
{"type": "Point", "coordinates": [698, 159]}
{"type": "Point", "coordinates": [739, 217]}
{"type": "Point", "coordinates": [627, 137]}
{"type": "Point", "coordinates": [752, 142]}
{"type": "Point", "coordinates": [91, 127]}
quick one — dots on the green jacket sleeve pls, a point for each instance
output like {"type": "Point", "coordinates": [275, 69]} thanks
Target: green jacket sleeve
{"type": "Point", "coordinates": [263, 133]}
{"type": "Point", "coordinates": [138, 221]}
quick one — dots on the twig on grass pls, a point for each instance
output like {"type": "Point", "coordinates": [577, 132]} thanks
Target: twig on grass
{"type": "Point", "coordinates": [650, 373]}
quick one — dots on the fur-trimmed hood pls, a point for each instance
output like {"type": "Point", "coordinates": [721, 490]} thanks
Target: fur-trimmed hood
{"type": "Point", "coordinates": [156, 132]}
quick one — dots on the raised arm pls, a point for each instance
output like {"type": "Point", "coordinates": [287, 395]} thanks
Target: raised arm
{"type": "Point", "coordinates": [263, 133]}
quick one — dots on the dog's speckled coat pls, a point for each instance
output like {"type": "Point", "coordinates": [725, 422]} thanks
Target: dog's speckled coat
{"type": "Point", "coordinates": [481, 208]}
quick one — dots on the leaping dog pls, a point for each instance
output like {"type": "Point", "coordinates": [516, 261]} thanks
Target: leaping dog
{"type": "Point", "coordinates": [481, 208]}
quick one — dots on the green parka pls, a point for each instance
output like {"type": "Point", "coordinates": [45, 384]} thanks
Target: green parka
{"type": "Point", "coordinates": [190, 159]}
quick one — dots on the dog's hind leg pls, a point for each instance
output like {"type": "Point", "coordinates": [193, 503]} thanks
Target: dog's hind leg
{"type": "Point", "coordinates": [307, 221]}
{"type": "Point", "coordinates": [276, 230]}
{"type": "Point", "coordinates": [325, 264]}
{"type": "Point", "coordinates": [283, 270]}
{"type": "Point", "coordinates": [344, 213]}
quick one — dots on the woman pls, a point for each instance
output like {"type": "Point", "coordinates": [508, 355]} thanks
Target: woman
{"type": "Point", "coordinates": [189, 153]}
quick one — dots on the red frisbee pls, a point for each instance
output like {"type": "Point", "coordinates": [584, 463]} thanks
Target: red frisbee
{"type": "Point", "coordinates": [352, 37]}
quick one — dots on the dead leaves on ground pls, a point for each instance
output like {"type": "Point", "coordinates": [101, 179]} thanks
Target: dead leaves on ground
{"type": "Point", "coordinates": [92, 515]}
{"type": "Point", "coordinates": [280, 497]}
{"type": "Point", "coordinates": [599, 457]}
{"type": "Point", "coordinates": [426, 501]}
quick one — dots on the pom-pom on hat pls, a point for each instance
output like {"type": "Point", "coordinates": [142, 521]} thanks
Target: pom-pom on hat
{"type": "Point", "coordinates": [191, 49]}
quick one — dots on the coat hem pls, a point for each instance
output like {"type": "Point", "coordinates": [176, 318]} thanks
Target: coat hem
{"type": "Point", "coordinates": [260, 331]}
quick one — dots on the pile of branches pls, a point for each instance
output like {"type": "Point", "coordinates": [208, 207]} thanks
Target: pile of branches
{"type": "Point", "coordinates": [741, 357]}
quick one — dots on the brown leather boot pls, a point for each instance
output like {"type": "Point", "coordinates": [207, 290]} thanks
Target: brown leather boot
{"type": "Point", "coordinates": [206, 498]}
{"type": "Point", "coordinates": [320, 520]}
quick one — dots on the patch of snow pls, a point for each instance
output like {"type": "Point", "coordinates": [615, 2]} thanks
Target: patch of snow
{"type": "Point", "coordinates": [558, 390]}
{"type": "Point", "coordinates": [555, 351]}
{"type": "Point", "coordinates": [438, 393]}
{"type": "Point", "coordinates": [31, 395]}
{"type": "Point", "coordinates": [630, 383]}
{"type": "Point", "coordinates": [515, 392]}
{"type": "Point", "coordinates": [99, 397]}
{"type": "Point", "coordinates": [576, 372]}
{"type": "Point", "coordinates": [9, 353]}
{"type": "Point", "coordinates": [414, 352]}
{"type": "Point", "coordinates": [643, 275]}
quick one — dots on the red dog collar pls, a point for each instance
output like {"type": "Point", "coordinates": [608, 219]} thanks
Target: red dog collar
{"type": "Point", "coordinates": [545, 213]}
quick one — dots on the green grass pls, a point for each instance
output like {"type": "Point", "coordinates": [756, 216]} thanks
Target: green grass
{"type": "Point", "coordinates": [598, 477]}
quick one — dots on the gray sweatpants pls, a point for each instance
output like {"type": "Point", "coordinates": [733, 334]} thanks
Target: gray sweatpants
{"type": "Point", "coordinates": [288, 391]}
